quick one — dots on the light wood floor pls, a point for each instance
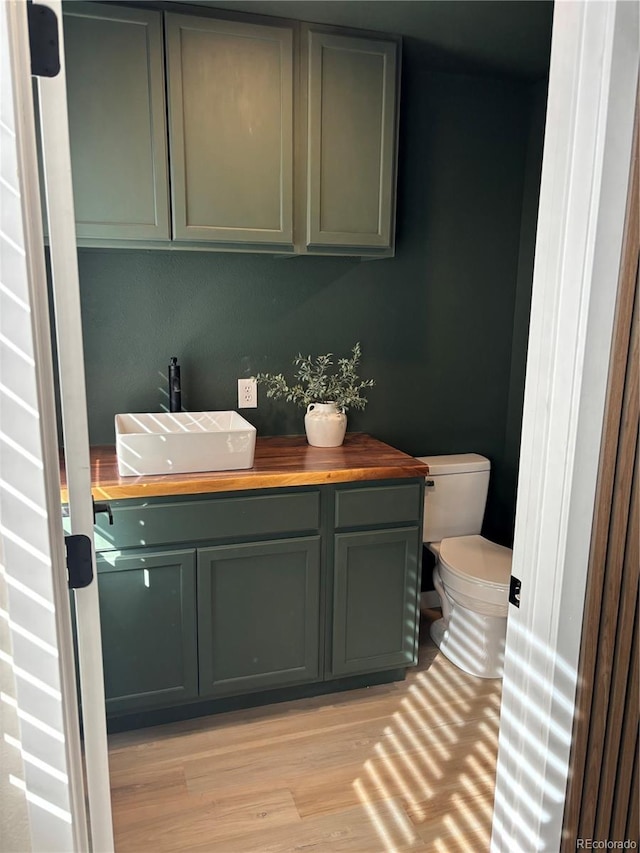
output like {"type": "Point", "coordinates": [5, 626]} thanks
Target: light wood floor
{"type": "Point", "coordinates": [404, 766]}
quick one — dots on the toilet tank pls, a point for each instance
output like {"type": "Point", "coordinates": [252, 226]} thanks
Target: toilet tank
{"type": "Point", "coordinates": [455, 495]}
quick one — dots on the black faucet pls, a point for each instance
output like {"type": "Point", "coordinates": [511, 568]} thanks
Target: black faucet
{"type": "Point", "coordinates": [175, 394]}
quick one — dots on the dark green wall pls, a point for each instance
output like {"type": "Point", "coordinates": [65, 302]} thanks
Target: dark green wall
{"type": "Point", "coordinates": [506, 481]}
{"type": "Point", "coordinates": [435, 322]}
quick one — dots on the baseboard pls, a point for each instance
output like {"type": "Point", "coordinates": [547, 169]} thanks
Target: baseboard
{"type": "Point", "coordinates": [204, 707]}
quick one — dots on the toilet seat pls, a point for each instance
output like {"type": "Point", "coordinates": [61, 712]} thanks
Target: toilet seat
{"type": "Point", "coordinates": [473, 569]}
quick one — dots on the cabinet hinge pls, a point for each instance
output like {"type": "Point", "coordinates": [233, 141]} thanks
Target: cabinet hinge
{"type": "Point", "coordinates": [44, 44]}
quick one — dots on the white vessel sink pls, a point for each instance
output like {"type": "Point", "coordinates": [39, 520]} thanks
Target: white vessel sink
{"type": "Point", "coordinates": [183, 442]}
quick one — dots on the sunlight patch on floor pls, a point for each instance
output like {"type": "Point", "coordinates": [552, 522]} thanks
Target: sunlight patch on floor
{"type": "Point", "coordinates": [441, 765]}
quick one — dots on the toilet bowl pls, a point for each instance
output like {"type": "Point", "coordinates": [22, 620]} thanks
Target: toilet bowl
{"type": "Point", "coordinates": [471, 577]}
{"type": "Point", "coordinates": [471, 574]}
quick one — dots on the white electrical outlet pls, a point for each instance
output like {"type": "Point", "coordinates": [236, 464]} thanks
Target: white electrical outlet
{"type": "Point", "coordinates": [248, 393]}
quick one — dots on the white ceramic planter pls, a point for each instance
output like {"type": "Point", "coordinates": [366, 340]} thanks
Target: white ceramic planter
{"type": "Point", "coordinates": [325, 425]}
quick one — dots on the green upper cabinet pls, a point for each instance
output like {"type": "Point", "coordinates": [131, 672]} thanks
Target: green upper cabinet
{"type": "Point", "coordinates": [230, 90]}
{"type": "Point", "coordinates": [242, 163]}
{"type": "Point", "coordinates": [115, 85]}
{"type": "Point", "coordinates": [352, 130]}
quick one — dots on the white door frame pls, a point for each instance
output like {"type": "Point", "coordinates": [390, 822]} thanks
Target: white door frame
{"type": "Point", "coordinates": [26, 212]}
{"type": "Point", "coordinates": [31, 538]}
{"type": "Point", "coordinates": [587, 151]}
{"type": "Point", "coordinates": [56, 167]}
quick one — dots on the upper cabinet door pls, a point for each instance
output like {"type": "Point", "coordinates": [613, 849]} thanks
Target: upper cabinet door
{"type": "Point", "coordinates": [352, 94]}
{"type": "Point", "coordinates": [230, 91]}
{"type": "Point", "coordinates": [115, 84]}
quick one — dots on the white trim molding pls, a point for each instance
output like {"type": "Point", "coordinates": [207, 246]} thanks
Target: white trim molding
{"type": "Point", "coordinates": [56, 169]}
{"type": "Point", "coordinates": [592, 90]}
{"type": "Point", "coordinates": [31, 538]}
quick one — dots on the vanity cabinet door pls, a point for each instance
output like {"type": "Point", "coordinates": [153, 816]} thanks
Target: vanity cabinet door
{"type": "Point", "coordinates": [148, 621]}
{"type": "Point", "coordinates": [258, 615]}
{"type": "Point", "coordinates": [230, 92]}
{"type": "Point", "coordinates": [352, 129]}
{"type": "Point", "coordinates": [117, 127]}
{"type": "Point", "coordinates": [375, 600]}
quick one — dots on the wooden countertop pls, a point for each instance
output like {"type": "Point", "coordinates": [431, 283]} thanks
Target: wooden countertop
{"type": "Point", "coordinates": [279, 461]}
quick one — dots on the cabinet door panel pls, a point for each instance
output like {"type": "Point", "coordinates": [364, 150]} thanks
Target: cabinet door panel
{"type": "Point", "coordinates": [258, 615]}
{"type": "Point", "coordinates": [375, 600]}
{"type": "Point", "coordinates": [117, 128]}
{"type": "Point", "coordinates": [378, 505]}
{"type": "Point", "coordinates": [231, 119]}
{"type": "Point", "coordinates": [147, 616]}
{"type": "Point", "coordinates": [351, 127]}
{"type": "Point", "coordinates": [137, 523]}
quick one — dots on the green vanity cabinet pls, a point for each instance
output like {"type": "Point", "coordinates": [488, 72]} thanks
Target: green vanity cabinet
{"type": "Point", "coordinates": [258, 615]}
{"type": "Point", "coordinates": [376, 577]}
{"type": "Point", "coordinates": [375, 608]}
{"type": "Point", "coordinates": [230, 93]}
{"type": "Point", "coordinates": [148, 621]}
{"type": "Point", "coordinates": [208, 597]}
{"type": "Point", "coordinates": [116, 100]}
{"type": "Point", "coordinates": [352, 130]}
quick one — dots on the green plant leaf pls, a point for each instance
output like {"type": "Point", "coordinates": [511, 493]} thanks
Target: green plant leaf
{"type": "Point", "coordinates": [316, 383]}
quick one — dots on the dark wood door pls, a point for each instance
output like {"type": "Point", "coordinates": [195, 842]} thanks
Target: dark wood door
{"type": "Point", "coordinates": [602, 796]}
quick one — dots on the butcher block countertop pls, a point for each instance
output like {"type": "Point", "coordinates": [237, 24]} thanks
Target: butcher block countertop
{"type": "Point", "coordinates": [279, 461]}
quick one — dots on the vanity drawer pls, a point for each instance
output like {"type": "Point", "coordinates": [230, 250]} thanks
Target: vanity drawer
{"type": "Point", "coordinates": [358, 507]}
{"type": "Point", "coordinates": [139, 524]}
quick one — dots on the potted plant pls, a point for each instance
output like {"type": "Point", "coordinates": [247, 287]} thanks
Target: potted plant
{"type": "Point", "coordinates": [326, 393]}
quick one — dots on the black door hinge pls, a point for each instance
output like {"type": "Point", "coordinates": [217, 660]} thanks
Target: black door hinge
{"type": "Point", "coordinates": [43, 41]}
{"type": "Point", "coordinates": [79, 564]}
{"type": "Point", "coordinates": [514, 591]}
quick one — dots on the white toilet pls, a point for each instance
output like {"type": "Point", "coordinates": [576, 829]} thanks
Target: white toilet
{"type": "Point", "coordinates": [471, 575]}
